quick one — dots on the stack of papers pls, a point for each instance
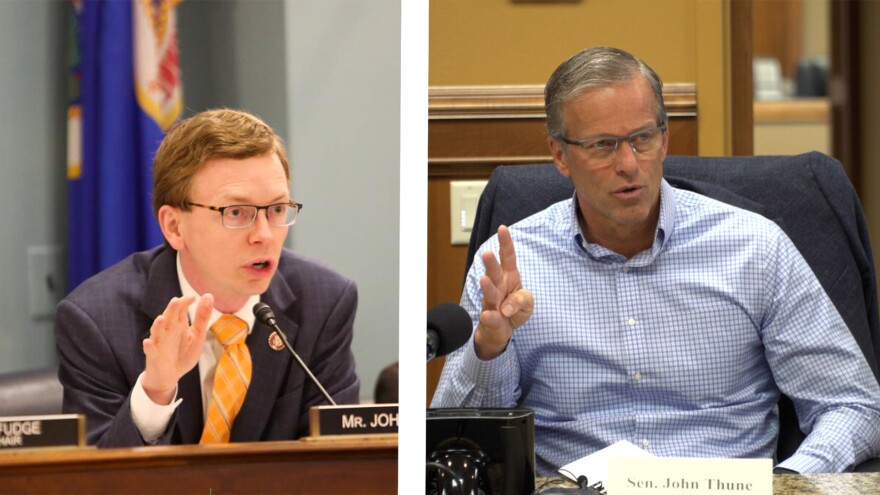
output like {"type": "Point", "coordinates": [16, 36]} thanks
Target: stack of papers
{"type": "Point", "coordinates": [595, 465]}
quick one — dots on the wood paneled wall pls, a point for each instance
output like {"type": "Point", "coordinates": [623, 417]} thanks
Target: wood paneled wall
{"type": "Point", "coordinates": [472, 130]}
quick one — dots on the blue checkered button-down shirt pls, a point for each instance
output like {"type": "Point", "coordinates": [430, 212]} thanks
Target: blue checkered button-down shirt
{"type": "Point", "coordinates": [682, 350]}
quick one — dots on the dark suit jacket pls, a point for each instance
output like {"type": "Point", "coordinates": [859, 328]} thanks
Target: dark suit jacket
{"type": "Point", "coordinates": [100, 327]}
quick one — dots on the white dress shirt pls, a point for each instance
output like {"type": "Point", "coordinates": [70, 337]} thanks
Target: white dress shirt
{"type": "Point", "coordinates": [152, 419]}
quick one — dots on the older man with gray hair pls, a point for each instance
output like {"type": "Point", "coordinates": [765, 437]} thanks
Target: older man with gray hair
{"type": "Point", "coordinates": [636, 311]}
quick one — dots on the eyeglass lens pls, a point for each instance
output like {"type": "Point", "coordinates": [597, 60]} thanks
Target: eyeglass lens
{"type": "Point", "coordinates": [240, 216]}
{"type": "Point", "coordinates": [643, 142]}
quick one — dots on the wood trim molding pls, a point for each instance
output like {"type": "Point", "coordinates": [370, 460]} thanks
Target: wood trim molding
{"type": "Point", "coordinates": [793, 110]}
{"type": "Point", "coordinates": [472, 129]}
{"type": "Point", "coordinates": [485, 102]}
{"type": "Point", "coordinates": [476, 168]}
{"type": "Point", "coordinates": [527, 101]}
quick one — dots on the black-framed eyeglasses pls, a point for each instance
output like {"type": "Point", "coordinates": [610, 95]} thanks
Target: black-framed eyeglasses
{"type": "Point", "coordinates": [243, 216]}
{"type": "Point", "coordinates": [604, 148]}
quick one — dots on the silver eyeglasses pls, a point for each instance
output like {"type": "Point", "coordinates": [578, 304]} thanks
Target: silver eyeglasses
{"type": "Point", "coordinates": [242, 216]}
{"type": "Point", "coordinates": [604, 148]}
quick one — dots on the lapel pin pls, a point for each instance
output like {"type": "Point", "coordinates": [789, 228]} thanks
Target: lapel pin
{"type": "Point", "coordinates": [275, 342]}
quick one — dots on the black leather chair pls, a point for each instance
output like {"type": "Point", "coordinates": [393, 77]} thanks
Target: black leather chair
{"type": "Point", "coordinates": [387, 389]}
{"type": "Point", "coordinates": [30, 392]}
{"type": "Point", "coordinates": [807, 195]}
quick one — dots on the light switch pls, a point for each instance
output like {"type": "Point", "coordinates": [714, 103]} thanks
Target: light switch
{"type": "Point", "coordinates": [464, 195]}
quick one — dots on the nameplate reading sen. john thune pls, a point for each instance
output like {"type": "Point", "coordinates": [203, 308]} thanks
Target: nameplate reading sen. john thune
{"type": "Point", "coordinates": [358, 419]}
{"type": "Point", "coordinates": [689, 476]}
{"type": "Point", "coordinates": [57, 430]}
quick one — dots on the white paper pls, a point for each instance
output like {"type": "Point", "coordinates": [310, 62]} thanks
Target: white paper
{"type": "Point", "coordinates": [595, 465]}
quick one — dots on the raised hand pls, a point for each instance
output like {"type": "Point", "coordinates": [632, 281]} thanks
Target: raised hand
{"type": "Point", "coordinates": [174, 346]}
{"type": "Point", "coordinates": [506, 304]}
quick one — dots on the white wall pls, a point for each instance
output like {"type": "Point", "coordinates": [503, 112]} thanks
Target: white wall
{"type": "Point", "coordinates": [33, 106]}
{"type": "Point", "coordinates": [343, 113]}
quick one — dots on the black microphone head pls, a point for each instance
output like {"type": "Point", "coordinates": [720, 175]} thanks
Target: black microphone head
{"type": "Point", "coordinates": [453, 326]}
{"type": "Point", "coordinates": [264, 314]}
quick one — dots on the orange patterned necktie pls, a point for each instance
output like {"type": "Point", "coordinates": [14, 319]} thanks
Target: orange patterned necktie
{"type": "Point", "coordinates": [231, 379]}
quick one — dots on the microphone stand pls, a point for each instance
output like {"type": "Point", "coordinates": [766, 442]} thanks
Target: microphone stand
{"type": "Point", "coordinates": [331, 420]}
{"type": "Point", "coordinates": [270, 320]}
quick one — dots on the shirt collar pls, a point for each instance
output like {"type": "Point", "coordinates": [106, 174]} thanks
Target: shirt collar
{"type": "Point", "coordinates": [246, 312]}
{"type": "Point", "coordinates": [665, 225]}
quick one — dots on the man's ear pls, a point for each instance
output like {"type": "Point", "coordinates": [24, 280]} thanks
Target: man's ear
{"type": "Point", "coordinates": [170, 222]}
{"type": "Point", "coordinates": [559, 157]}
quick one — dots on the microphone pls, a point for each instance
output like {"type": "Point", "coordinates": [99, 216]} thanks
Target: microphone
{"type": "Point", "coordinates": [265, 316]}
{"type": "Point", "coordinates": [449, 327]}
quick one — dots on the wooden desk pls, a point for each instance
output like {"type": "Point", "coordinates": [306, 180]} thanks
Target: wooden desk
{"type": "Point", "coordinates": [305, 466]}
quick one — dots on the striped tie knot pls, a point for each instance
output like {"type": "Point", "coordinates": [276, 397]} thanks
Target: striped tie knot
{"type": "Point", "coordinates": [231, 379]}
{"type": "Point", "coordinates": [229, 330]}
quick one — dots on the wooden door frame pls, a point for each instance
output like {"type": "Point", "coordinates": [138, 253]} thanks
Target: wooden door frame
{"type": "Point", "coordinates": [845, 88]}
{"type": "Point", "coordinates": [741, 91]}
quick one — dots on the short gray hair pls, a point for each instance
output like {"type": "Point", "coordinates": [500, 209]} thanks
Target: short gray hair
{"type": "Point", "coordinates": [595, 68]}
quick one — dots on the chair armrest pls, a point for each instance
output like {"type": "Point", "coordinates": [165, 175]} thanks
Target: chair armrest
{"type": "Point", "coordinates": [869, 466]}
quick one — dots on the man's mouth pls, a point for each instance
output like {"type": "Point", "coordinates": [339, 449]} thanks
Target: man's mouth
{"type": "Point", "coordinates": [626, 191]}
{"type": "Point", "coordinates": [260, 265]}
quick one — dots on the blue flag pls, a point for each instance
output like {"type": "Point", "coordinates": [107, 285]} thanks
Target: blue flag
{"type": "Point", "coordinates": [126, 92]}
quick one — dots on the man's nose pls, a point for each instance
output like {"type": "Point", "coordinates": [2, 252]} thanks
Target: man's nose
{"type": "Point", "coordinates": [626, 161]}
{"type": "Point", "coordinates": [261, 228]}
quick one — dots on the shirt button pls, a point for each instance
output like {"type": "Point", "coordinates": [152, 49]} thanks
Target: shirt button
{"type": "Point", "coordinates": [645, 443]}
{"type": "Point", "coordinates": [631, 321]}
{"type": "Point", "coordinates": [638, 376]}
{"type": "Point", "coordinates": [625, 269]}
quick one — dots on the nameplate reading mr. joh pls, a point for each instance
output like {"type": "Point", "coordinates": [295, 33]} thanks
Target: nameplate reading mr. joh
{"type": "Point", "coordinates": [363, 419]}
